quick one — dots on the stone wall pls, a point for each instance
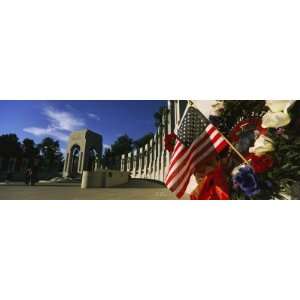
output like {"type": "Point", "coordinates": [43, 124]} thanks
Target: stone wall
{"type": "Point", "coordinates": [103, 178]}
{"type": "Point", "coordinates": [152, 160]}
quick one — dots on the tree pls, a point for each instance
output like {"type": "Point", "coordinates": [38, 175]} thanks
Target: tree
{"type": "Point", "coordinates": [10, 146]}
{"type": "Point", "coordinates": [159, 116]}
{"type": "Point", "coordinates": [30, 150]}
{"type": "Point", "coordinates": [123, 144]}
{"type": "Point", "coordinates": [51, 156]}
{"type": "Point", "coordinates": [143, 140]}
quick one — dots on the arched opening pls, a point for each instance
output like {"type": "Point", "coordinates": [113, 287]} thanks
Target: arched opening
{"type": "Point", "coordinates": [75, 152]}
{"type": "Point", "coordinates": [92, 159]}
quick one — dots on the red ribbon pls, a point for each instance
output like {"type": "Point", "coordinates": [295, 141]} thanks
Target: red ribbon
{"type": "Point", "coordinates": [212, 187]}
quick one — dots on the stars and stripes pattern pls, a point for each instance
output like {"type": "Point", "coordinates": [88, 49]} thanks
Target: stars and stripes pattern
{"type": "Point", "coordinates": [197, 139]}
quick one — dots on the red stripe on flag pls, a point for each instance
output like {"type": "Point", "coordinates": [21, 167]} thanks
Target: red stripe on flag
{"type": "Point", "coordinates": [203, 141]}
{"type": "Point", "coordinates": [197, 150]}
{"type": "Point", "coordinates": [184, 160]}
{"type": "Point", "coordinates": [185, 176]}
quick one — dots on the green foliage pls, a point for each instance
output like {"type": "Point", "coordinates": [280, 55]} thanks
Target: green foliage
{"type": "Point", "coordinates": [285, 174]}
{"type": "Point", "coordinates": [47, 153]}
{"type": "Point", "coordinates": [236, 110]}
{"type": "Point", "coordinates": [160, 115]}
{"type": "Point", "coordinates": [10, 146]}
{"type": "Point", "coordinates": [123, 144]}
{"type": "Point", "coordinates": [143, 140]}
{"type": "Point", "coordinates": [286, 171]}
{"type": "Point", "coordinates": [51, 158]}
{"type": "Point", "coordinates": [30, 150]}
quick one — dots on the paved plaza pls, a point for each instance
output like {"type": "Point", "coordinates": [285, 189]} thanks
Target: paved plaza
{"type": "Point", "coordinates": [134, 190]}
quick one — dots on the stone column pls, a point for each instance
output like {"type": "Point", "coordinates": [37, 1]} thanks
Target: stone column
{"type": "Point", "coordinates": [154, 157]}
{"type": "Point", "coordinates": [158, 160]}
{"type": "Point", "coordinates": [123, 163]}
{"type": "Point", "coordinates": [177, 113]}
{"type": "Point", "coordinates": [141, 162]}
{"type": "Point", "coordinates": [80, 162]}
{"type": "Point", "coordinates": [129, 162]}
{"type": "Point", "coordinates": [146, 161]}
{"type": "Point", "coordinates": [67, 165]}
{"type": "Point", "coordinates": [163, 152]}
{"type": "Point", "coordinates": [135, 163]}
{"type": "Point", "coordinates": [150, 157]}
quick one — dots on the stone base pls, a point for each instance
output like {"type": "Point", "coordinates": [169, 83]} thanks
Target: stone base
{"type": "Point", "coordinates": [103, 178]}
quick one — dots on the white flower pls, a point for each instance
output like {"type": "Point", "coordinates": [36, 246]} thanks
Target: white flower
{"type": "Point", "coordinates": [279, 105]}
{"type": "Point", "coordinates": [278, 115]}
{"type": "Point", "coordinates": [262, 145]}
{"type": "Point", "coordinates": [275, 119]}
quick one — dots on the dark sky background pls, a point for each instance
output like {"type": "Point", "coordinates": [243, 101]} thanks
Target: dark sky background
{"type": "Point", "coordinates": [57, 119]}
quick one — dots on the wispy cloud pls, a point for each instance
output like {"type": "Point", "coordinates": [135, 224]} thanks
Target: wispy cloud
{"type": "Point", "coordinates": [106, 146]}
{"type": "Point", "coordinates": [63, 120]}
{"type": "Point", "coordinates": [93, 116]}
{"type": "Point", "coordinates": [61, 123]}
{"type": "Point", "coordinates": [37, 131]}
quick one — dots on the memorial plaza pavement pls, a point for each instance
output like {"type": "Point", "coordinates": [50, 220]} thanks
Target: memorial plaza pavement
{"type": "Point", "coordinates": [135, 189]}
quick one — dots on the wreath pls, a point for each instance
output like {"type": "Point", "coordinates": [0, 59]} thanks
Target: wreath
{"type": "Point", "coordinates": [267, 134]}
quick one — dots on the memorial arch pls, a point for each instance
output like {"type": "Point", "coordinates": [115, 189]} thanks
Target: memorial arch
{"type": "Point", "coordinates": [83, 153]}
{"type": "Point", "coordinates": [74, 160]}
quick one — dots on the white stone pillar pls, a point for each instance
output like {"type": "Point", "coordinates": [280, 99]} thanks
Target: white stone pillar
{"type": "Point", "coordinates": [177, 113]}
{"type": "Point", "coordinates": [158, 161]}
{"type": "Point", "coordinates": [150, 156]}
{"type": "Point", "coordinates": [129, 162]}
{"type": "Point", "coordinates": [84, 179]}
{"type": "Point", "coordinates": [141, 162]}
{"type": "Point", "coordinates": [146, 161]}
{"type": "Point", "coordinates": [154, 159]}
{"type": "Point", "coordinates": [163, 154]}
{"type": "Point", "coordinates": [135, 163]}
{"type": "Point", "coordinates": [67, 164]}
{"type": "Point", "coordinates": [80, 162]}
{"type": "Point", "coordinates": [123, 162]}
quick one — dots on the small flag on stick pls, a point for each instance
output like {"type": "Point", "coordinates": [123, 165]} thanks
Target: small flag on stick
{"type": "Point", "coordinates": [197, 140]}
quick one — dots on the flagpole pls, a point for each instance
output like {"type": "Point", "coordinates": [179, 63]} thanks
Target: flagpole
{"type": "Point", "coordinates": [190, 102]}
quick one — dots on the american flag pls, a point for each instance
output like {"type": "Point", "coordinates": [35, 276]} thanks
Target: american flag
{"type": "Point", "coordinates": [197, 139]}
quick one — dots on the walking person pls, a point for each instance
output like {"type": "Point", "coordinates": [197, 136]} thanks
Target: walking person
{"type": "Point", "coordinates": [28, 176]}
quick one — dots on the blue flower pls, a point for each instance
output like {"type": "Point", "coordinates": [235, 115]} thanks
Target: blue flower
{"type": "Point", "coordinates": [246, 179]}
{"type": "Point", "coordinates": [269, 184]}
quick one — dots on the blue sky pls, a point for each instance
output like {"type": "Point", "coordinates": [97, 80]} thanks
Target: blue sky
{"type": "Point", "coordinates": [38, 119]}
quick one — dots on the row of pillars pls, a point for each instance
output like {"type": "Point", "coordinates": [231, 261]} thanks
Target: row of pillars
{"type": "Point", "coordinates": [152, 160]}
